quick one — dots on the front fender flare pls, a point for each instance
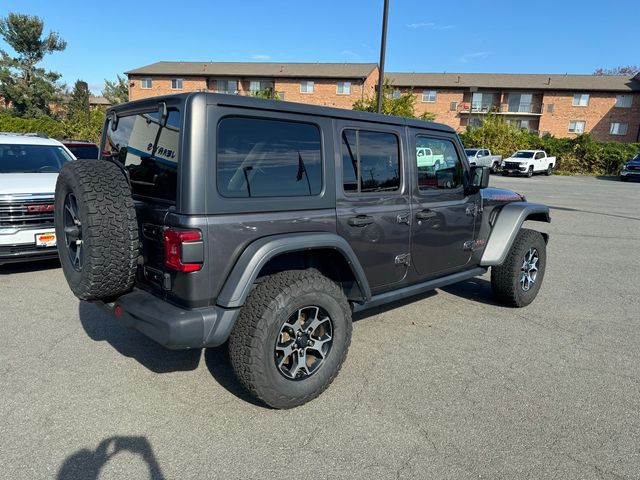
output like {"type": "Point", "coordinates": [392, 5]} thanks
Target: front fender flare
{"type": "Point", "coordinates": [510, 219]}
{"type": "Point", "coordinates": [256, 255]}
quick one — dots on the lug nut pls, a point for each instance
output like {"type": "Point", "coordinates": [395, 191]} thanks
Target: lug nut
{"type": "Point", "coordinates": [309, 343]}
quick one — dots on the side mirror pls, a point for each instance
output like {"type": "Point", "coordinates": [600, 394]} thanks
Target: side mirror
{"type": "Point", "coordinates": [479, 177]}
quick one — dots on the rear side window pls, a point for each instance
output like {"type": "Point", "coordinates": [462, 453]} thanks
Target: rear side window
{"type": "Point", "coordinates": [149, 150]}
{"type": "Point", "coordinates": [268, 158]}
{"type": "Point", "coordinates": [370, 161]}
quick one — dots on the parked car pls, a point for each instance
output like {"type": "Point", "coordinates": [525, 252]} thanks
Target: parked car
{"type": "Point", "coordinates": [29, 168]}
{"type": "Point", "coordinates": [528, 162]}
{"type": "Point", "coordinates": [82, 148]}
{"type": "Point", "coordinates": [482, 157]}
{"type": "Point", "coordinates": [272, 231]}
{"type": "Point", "coordinates": [631, 169]}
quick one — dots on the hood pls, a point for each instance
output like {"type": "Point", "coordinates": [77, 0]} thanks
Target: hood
{"type": "Point", "coordinates": [500, 196]}
{"type": "Point", "coordinates": [14, 183]}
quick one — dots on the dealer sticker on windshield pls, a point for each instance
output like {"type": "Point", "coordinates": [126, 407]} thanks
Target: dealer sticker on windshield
{"type": "Point", "coordinates": [46, 239]}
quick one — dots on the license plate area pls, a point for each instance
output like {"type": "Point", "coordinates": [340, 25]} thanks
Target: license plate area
{"type": "Point", "coordinates": [47, 239]}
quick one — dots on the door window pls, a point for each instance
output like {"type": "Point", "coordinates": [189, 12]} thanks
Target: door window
{"type": "Point", "coordinates": [370, 161]}
{"type": "Point", "coordinates": [439, 166]}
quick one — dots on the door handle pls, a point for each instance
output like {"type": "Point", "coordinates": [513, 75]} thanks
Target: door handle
{"type": "Point", "coordinates": [425, 214]}
{"type": "Point", "coordinates": [360, 221]}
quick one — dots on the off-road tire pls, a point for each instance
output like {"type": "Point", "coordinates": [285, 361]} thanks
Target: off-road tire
{"type": "Point", "coordinates": [109, 229]}
{"type": "Point", "coordinates": [530, 172]}
{"type": "Point", "coordinates": [549, 170]}
{"type": "Point", "coordinates": [505, 279]}
{"type": "Point", "coordinates": [253, 339]}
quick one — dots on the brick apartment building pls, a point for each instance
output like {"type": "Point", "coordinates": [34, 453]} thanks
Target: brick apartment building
{"type": "Point", "coordinates": [330, 84]}
{"type": "Point", "coordinates": [608, 107]}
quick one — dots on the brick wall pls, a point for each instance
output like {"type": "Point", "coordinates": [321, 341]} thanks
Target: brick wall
{"type": "Point", "coordinates": [441, 107]}
{"type": "Point", "coordinates": [598, 116]}
{"type": "Point", "coordinates": [162, 86]}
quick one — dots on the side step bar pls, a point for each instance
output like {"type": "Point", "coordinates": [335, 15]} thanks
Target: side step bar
{"type": "Point", "coordinates": [418, 288]}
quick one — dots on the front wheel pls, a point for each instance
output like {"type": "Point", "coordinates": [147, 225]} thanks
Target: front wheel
{"type": "Point", "coordinates": [517, 281]}
{"type": "Point", "coordinates": [530, 172]}
{"type": "Point", "coordinates": [291, 338]}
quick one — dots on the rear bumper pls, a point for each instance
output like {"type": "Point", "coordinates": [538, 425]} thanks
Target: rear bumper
{"type": "Point", "coordinates": [169, 325]}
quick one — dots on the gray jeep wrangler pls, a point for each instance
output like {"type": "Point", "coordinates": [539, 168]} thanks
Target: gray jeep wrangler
{"type": "Point", "coordinates": [214, 218]}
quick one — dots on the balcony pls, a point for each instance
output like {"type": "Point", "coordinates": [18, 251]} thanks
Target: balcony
{"type": "Point", "coordinates": [503, 108]}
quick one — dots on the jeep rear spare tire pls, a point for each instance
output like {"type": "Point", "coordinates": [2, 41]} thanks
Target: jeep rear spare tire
{"type": "Point", "coordinates": [96, 229]}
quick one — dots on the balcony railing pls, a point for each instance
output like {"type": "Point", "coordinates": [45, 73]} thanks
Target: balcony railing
{"type": "Point", "coordinates": [531, 108]}
{"type": "Point", "coordinates": [504, 108]}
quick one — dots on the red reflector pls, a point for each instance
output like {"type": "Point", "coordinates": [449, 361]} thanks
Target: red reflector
{"type": "Point", "coordinates": [39, 208]}
{"type": "Point", "coordinates": [117, 311]}
{"type": "Point", "coordinates": [173, 240]}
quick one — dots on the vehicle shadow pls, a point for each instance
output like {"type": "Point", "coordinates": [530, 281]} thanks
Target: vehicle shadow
{"type": "Point", "coordinates": [128, 342]}
{"type": "Point", "coordinates": [611, 178]}
{"type": "Point", "coordinates": [370, 312]}
{"type": "Point", "coordinates": [87, 464]}
{"type": "Point", "coordinates": [475, 289]}
{"type": "Point", "coordinates": [219, 365]}
{"type": "Point", "coordinates": [33, 266]}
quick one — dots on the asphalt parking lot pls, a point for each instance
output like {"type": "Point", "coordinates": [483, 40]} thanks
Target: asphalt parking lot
{"type": "Point", "coordinates": [450, 385]}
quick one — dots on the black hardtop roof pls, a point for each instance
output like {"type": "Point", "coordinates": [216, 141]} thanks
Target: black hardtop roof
{"type": "Point", "coordinates": [275, 106]}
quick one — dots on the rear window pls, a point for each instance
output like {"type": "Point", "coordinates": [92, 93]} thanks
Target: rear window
{"type": "Point", "coordinates": [84, 151]}
{"type": "Point", "coordinates": [268, 158]}
{"type": "Point", "coordinates": [150, 152]}
{"type": "Point", "coordinates": [15, 158]}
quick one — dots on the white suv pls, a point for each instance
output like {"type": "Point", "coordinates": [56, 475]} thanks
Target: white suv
{"type": "Point", "coordinates": [29, 167]}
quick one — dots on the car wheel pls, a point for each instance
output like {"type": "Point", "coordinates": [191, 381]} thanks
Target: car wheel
{"type": "Point", "coordinates": [96, 228]}
{"type": "Point", "coordinates": [517, 281]}
{"type": "Point", "coordinates": [623, 179]}
{"type": "Point", "coordinates": [291, 337]}
{"type": "Point", "coordinates": [505, 174]}
{"type": "Point", "coordinates": [530, 172]}
{"type": "Point", "coordinates": [549, 170]}
{"type": "Point", "coordinates": [495, 168]}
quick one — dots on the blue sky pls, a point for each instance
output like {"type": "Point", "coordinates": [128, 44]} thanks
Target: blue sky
{"type": "Point", "coordinates": [109, 37]}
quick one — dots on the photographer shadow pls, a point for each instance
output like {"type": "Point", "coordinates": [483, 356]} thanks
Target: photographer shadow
{"type": "Point", "coordinates": [87, 464]}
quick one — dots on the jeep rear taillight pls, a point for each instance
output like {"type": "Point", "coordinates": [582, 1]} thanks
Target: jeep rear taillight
{"type": "Point", "coordinates": [177, 246]}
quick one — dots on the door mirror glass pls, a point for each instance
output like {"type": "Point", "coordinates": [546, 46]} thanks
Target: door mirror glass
{"type": "Point", "coordinates": [479, 177]}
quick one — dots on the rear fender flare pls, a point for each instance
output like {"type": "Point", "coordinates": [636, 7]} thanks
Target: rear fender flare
{"type": "Point", "coordinates": [506, 227]}
{"type": "Point", "coordinates": [243, 275]}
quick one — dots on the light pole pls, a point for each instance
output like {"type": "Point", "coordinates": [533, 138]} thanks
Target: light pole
{"type": "Point", "coordinates": [383, 45]}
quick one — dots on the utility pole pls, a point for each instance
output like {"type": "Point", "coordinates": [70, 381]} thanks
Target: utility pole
{"type": "Point", "coordinates": [383, 46]}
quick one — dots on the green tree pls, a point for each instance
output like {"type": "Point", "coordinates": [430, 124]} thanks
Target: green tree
{"type": "Point", "coordinates": [28, 89]}
{"type": "Point", "coordinates": [500, 137]}
{"type": "Point", "coordinates": [79, 102]}
{"type": "Point", "coordinates": [116, 91]}
{"type": "Point", "coordinates": [399, 105]}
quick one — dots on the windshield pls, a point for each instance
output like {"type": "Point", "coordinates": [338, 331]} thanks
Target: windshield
{"type": "Point", "coordinates": [16, 158]}
{"type": "Point", "coordinates": [470, 152]}
{"type": "Point", "coordinates": [523, 155]}
{"type": "Point", "coordinates": [636, 158]}
{"type": "Point", "coordinates": [85, 151]}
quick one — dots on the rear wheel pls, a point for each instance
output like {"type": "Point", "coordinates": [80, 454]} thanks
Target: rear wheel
{"type": "Point", "coordinates": [96, 228]}
{"type": "Point", "coordinates": [291, 338]}
{"type": "Point", "coordinates": [549, 170]}
{"type": "Point", "coordinates": [530, 171]}
{"type": "Point", "coordinates": [517, 281]}
{"type": "Point", "coordinates": [495, 167]}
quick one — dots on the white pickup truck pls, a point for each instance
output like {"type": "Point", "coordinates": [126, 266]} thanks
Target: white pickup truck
{"type": "Point", "coordinates": [528, 162]}
{"type": "Point", "coordinates": [482, 157]}
{"type": "Point", "coordinates": [29, 168]}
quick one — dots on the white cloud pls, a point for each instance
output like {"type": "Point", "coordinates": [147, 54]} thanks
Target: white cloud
{"type": "Point", "coordinates": [430, 25]}
{"type": "Point", "coordinates": [466, 58]}
{"type": "Point", "coordinates": [260, 56]}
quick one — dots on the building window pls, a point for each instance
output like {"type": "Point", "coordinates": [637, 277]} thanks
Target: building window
{"type": "Point", "coordinates": [146, 83]}
{"type": "Point", "coordinates": [550, 108]}
{"type": "Point", "coordinates": [257, 86]}
{"type": "Point", "coordinates": [576, 126]}
{"type": "Point", "coordinates": [227, 86]}
{"type": "Point", "coordinates": [453, 106]}
{"type": "Point", "coordinates": [429, 96]}
{"type": "Point", "coordinates": [624, 101]}
{"type": "Point", "coordinates": [580, 99]}
{"type": "Point", "coordinates": [394, 94]}
{"type": "Point", "coordinates": [520, 102]}
{"type": "Point", "coordinates": [176, 84]}
{"type": "Point", "coordinates": [260, 157]}
{"type": "Point", "coordinates": [343, 88]}
{"type": "Point", "coordinates": [370, 161]}
{"type": "Point", "coordinates": [481, 102]}
{"type": "Point", "coordinates": [306, 86]}
{"type": "Point", "coordinates": [619, 128]}
{"type": "Point", "coordinates": [522, 124]}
